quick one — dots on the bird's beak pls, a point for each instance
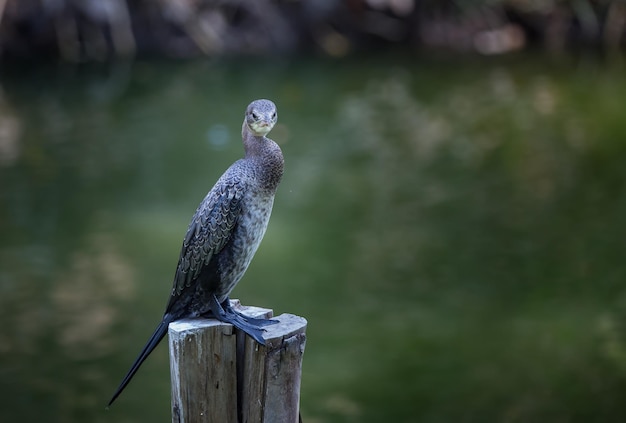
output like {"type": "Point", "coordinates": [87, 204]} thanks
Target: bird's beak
{"type": "Point", "coordinates": [261, 127]}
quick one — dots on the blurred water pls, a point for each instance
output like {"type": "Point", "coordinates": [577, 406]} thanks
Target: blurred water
{"type": "Point", "coordinates": [452, 230]}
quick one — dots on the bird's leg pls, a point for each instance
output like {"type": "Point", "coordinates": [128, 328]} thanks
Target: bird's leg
{"type": "Point", "coordinates": [252, 320]}
{"type": "Point", "coordinates": [255, 331]}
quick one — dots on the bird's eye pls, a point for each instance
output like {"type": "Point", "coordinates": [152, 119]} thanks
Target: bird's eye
{"type": "Point", "coordinates": [273, 115]}
{"type": "Point", "coordinates": [255, 116]}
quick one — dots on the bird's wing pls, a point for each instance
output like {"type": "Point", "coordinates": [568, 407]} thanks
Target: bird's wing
{"type": "Point", "coordinates": [208, 232]}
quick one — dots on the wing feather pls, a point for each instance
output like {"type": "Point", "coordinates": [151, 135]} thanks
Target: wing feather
{"type": "Point", "coordinates": [209, 230]}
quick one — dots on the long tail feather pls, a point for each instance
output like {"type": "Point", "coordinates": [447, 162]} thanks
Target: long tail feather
{"type": "Point", "coordinates": [154, 340]}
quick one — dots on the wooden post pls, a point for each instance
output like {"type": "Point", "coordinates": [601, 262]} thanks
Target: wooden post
{"type": "Point", "coordinates": [221, 375]}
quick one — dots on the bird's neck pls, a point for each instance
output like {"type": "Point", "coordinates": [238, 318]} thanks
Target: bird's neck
{"type": "Point", "coordinates": [266, 155]}
{"type": "Point", "coordinates": [257, 145]}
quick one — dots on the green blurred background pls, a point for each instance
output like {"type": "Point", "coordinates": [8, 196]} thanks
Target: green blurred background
{"type": "Point", "coordinates": [451, 221]}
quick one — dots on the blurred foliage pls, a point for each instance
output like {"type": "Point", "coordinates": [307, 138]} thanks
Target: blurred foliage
{"type": "Point", "coordinates": [452, 231]}
{"type": "Point", "coordinates": [79, 30]}
{"type": "Point", "coordinates": [484, 243]}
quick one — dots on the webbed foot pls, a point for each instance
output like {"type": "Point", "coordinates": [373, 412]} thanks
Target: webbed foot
{"type": "Point", "coordinates": [260, 322]}
{"type": "Point", "coordinates": [228, 315]}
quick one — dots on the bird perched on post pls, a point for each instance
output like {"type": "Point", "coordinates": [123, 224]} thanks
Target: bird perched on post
{"type": "Point", "coordinates": [224, 234]}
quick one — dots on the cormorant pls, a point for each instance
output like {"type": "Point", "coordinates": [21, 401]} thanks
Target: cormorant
{"type": "Point", "coordinates": [224, 234]}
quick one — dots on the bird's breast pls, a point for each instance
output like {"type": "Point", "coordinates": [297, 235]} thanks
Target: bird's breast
{"type": "Point", "coordinates": [256, 209]}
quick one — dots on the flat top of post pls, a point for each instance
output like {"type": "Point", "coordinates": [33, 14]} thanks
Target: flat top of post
{"type": "Point", "coordinates": [288, 324]}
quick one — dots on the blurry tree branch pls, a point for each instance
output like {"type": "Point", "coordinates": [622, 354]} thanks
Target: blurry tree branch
{"type": "Point", "coordinates": [78, 30]}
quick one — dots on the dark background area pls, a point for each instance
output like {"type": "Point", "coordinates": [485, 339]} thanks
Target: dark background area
{"type": "Point", "coordinates": [78, 30]}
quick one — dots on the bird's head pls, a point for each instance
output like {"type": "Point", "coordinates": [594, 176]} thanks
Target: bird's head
{"type": "Point", "coordinates": [261, 117]}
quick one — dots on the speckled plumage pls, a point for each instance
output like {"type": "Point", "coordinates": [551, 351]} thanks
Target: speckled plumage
{"type": "Point", "coordinates": [225, 230]}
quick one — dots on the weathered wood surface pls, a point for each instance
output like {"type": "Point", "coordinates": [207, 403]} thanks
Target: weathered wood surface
{"type": "Point", "coordinates": [221, 375]}
{"type": "Point", "coordinates": [203, 371]}
{"type": "Point", "coordinates": [271, 375]}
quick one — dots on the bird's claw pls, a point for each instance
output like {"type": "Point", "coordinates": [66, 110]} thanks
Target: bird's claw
{"type": "Point", "coordinates": [260, 322]}
{"type": "Point", "coordinates": [251, 325]}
